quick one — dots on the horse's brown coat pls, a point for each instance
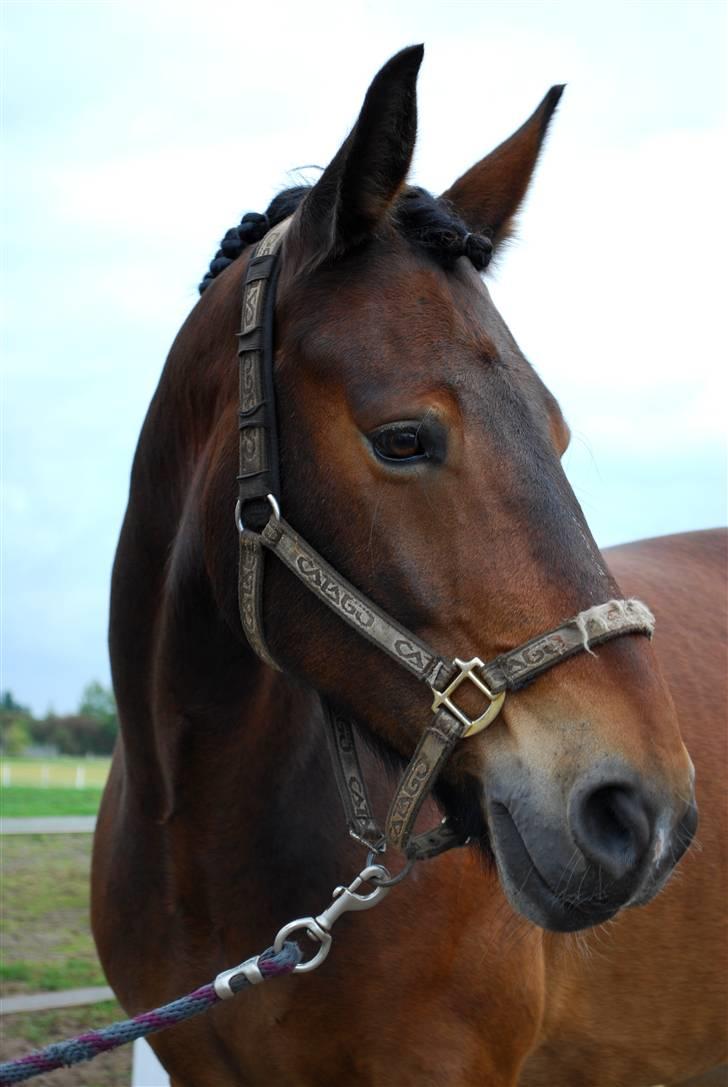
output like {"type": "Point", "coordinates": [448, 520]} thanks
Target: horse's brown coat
{"type": "Point", "coordinates": [221, 822]}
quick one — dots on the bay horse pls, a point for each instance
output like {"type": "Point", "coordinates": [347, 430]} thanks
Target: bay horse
{"type": "Point", "coordinates": [420, 454]}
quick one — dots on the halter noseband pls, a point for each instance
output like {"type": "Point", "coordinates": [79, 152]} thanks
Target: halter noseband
{"type": "Point", "coordinates": [261, 527]}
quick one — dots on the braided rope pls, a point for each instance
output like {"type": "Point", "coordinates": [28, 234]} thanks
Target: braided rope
{"type": "Point", "coordinates": [88, 1045]}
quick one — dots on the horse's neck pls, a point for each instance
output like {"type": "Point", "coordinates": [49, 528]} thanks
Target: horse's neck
{"type": "Point", "coordinates": [229, 755]}
{"type": "Point", "coordinates": [249, 789]}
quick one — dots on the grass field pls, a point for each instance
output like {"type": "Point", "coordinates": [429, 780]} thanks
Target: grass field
{"type": "Point", "coordinates": [45, 938]}
{"type": "Point", "coordinates": [36, 787]}
{"type": "Point", "coordinates": [47, 944]}
{"type": "Point", "coordinates": [55, 772]}
{"type": "Point", "coordinates": [44, 914]}
{"type": "Point", "coordinates": [20, 801]}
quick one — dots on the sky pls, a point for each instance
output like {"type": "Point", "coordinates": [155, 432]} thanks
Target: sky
{"type": "Point", "coordinates": [136, 133]}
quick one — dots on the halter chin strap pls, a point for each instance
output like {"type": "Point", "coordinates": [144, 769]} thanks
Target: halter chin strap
{"type": "Point", "coordinates": [261, 528]}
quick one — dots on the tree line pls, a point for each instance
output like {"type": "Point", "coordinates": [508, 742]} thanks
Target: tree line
{"type": "Point", "coordinates": [91, 730]}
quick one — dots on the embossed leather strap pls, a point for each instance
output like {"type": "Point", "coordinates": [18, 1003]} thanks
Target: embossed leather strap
{"type": "Point", "coordinates": [430, 754]}
{"type": "Point", "coordinates": [518, 667]}
{"type": "Point", "coordinates": [258, 445]}
{"type": "Point", "coordinates": [508, 671]}
{"type": "Point", "coordinates": [348, 603]}
{"type": "Point", "coordinates": [250, 595]}
{"type": "Point", "coordinates": [258, 467]}
{"type": "Point", "coordinates": [350, 780]}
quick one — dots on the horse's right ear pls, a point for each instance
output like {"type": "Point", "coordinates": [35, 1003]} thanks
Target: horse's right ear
{"type": "Point", "coordinates": [357, 188]}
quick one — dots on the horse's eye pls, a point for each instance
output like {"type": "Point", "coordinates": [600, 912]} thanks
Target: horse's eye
{"type": "Point", "coordinates": [399, 442]}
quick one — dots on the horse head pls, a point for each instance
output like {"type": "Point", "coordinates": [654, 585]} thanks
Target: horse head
{"type": "Point", "coordinates": [420, 453]}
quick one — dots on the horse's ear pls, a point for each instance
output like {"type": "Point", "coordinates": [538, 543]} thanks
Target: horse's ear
{"type": "Point", "coordinates": [358, 186]}
{"type": "Point", "coordinates": [488, 196]}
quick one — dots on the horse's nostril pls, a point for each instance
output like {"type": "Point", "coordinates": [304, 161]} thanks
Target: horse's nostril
{"type": "Point", "coordinates": [612, 826]}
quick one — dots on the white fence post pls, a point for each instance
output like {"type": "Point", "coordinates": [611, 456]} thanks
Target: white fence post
{"type": "Point", "coordinates": [80, 777]}
{"type": "Point", "coordinates": [146, 1071]}
{"type": "Point", "coordinates": [45, 775]}
{"type": "Point", "coordinates": [7, 774]}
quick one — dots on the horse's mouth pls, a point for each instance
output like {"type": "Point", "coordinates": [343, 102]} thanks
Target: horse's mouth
{"type": "Point", "coordinates": [528, 890]}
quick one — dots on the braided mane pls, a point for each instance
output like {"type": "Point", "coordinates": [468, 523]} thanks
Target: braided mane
{"type": "Point", "coordinates": [427, 221]}
{"type": "Point", "coordinates": [251, 229]}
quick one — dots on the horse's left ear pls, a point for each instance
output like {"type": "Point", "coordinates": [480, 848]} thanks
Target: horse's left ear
{"type": "Point", "coordinates": [488, 196]}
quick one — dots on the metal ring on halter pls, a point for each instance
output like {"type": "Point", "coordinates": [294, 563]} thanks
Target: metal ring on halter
{"type": "Point", "coordinates": [391, 881]}
{"type": "Point", "coordinates": [272, 502]}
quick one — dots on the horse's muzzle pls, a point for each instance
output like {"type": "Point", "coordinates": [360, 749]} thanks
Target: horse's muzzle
{"type": "Point", "coordinates": [615, 846]}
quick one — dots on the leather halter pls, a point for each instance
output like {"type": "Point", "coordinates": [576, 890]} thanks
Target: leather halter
{"type": "Point", "coordinates": [261, 528]}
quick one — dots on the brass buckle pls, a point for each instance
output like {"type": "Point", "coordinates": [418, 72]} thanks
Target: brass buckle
{"type": "Point", "coordinates": [442, 698]}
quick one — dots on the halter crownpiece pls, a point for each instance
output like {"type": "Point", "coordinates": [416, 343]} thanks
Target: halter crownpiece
{"type": "Point", "coordinates": [261, 528]}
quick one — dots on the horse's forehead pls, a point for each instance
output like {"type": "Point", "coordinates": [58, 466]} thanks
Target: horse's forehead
{"type": "Point", "coordinates": [402, 313]}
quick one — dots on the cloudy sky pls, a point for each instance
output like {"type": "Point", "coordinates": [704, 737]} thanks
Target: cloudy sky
{"type": "Point", "coordinates": [136, 133]}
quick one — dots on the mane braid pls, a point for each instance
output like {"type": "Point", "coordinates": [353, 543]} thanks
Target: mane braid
{"type": "Point", "coordinates": [251, 229]}
{"type": "Point", "coordinates": [426, 221]}
{"type": "Point", "coordinates": [431, 223]}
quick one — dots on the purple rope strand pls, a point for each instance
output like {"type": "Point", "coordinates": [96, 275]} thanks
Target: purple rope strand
{"type": "Point", "coordinates": [88, 1045]}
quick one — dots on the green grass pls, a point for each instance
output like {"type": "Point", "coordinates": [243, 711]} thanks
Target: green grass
{"type": "Point", "coordinates": [51, 977]}
{"type": "Point", "coordinates": [58, 771]}
{"type": "Point", "coordinates": [46, 941]}
{"type": "Point", "coordinates": [23, 801]}
{"type": "Point", "coordinates": [46, 944]}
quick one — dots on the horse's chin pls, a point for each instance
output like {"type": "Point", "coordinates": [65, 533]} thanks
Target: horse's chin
{"type": "Point", "coordinates": [493, 833]}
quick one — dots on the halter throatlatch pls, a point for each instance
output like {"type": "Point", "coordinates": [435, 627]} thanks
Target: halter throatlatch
{"type": "Point", "coordinates": [261, 528]}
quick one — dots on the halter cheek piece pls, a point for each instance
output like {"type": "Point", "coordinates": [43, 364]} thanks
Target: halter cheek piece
{"type": "Point", "coordinates": [261, 527]}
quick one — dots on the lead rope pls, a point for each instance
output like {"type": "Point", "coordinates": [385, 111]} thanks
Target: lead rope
{"type": "Point", "coordinates": [86, 1046]}
{"type": "Point", "coordinates": [284, 957]}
